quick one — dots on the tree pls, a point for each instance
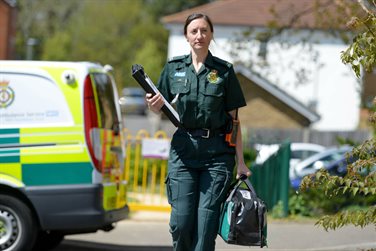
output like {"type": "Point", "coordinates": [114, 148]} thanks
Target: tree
{"type": "Point", "coordinates": [115, 32]}
{"type": "Point", "coordinates": [362, 52]}
{"type": "Point", "coordinates": [83, 31]}
{"type": "Point", "coordinates": [361, 174]}
{"type": "Point", "coordinates": [327, 17]}
{"type": "Point", "coordinates": [39, 20]}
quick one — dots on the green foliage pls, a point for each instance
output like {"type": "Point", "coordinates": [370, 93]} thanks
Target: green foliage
{"type": "Point", "coordinates": [362, 52]}
{"type": "Point", "coordinates": [298, 205]}
{"type": "Point", "coordinates": [148, 57]}
{"type": "Point", "coordinates": [60, 40]}
{"type": "Point", "coordinates": [360, 180]}
{"type": "Point", "coordinates": [358, 186]}
{"type": "Point", "coordinates": [277, 211]}
{"type": "Point", "coordinates": [115, 32]}
{"type": "Point", "coordinates": [276, 39]}
{"type": "Point", "coordinates": [250, 155]}
{"type": "Point", "coordinates": [346, 141]}
{"type": "Point", "coordinates": [357, 218]}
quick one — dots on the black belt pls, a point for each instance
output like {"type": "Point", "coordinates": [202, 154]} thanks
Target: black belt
{"type": "Point", "coordinates": [203, 132]}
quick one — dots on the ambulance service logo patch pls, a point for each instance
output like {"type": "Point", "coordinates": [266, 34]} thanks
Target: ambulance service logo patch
{"type": "Point", "coordinates": [213, 77]}
{"type": "Point", "coordinates": [6, 94]}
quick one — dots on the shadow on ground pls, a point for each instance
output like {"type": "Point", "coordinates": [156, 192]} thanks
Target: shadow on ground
{"type": "Point", "coordinates": [72, 245]}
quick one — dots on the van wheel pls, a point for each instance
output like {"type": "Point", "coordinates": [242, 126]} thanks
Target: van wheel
{"type": "Point", "coordinates": [47, 241]}
{"type": "Point", "coordinates": [17, 225]}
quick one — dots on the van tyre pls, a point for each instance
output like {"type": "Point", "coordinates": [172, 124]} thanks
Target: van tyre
{"type": "Point", "coordinates": [47, 240]}
{"type": "Point", "coordinates": [17, 225]}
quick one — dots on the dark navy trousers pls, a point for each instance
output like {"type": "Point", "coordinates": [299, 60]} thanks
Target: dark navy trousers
{"type": "Point", "coordinates": [200, 172]}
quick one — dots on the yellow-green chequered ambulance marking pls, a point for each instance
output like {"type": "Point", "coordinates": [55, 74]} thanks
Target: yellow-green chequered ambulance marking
{"type": "Point", "coordinates": [45, 156]}
{"type": "Point", "coordinates": [59, 172]}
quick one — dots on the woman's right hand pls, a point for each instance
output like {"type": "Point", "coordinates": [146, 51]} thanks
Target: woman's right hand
{"type": "Point", "coordinates": [155, 102]}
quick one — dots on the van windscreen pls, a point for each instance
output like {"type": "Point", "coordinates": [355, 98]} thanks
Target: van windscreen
{"type": "Point", "coordinates": [106, 99]}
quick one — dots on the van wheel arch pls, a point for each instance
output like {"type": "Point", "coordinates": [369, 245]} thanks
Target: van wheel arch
{"type": "Point", "coordinates": [18, 225]}
{"type": "Point", "coordinates": [19, 194]}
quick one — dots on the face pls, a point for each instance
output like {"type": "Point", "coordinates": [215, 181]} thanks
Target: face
{"type": "Point", "coordinates": [199, 34]}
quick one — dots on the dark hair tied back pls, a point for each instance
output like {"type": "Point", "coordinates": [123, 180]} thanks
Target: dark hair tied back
{"type": "Point", "coordinates": [194, 16]}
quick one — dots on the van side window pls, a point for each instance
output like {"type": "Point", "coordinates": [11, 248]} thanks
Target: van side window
{"type": "Point", "coordinates": [31, 100]}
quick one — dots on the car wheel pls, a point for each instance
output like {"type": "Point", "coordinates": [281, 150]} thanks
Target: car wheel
{"type": "Point", "coordinates": [47, 240]}
{"type": "Point", "coordinates": [17, 225]}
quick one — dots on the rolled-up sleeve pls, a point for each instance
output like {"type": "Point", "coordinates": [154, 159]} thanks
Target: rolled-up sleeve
{"type": "Point", "coordinates": [234, 95]}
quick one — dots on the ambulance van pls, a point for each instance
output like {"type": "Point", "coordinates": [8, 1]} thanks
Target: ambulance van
{"type": "Point", "coordinates": [61, 153]}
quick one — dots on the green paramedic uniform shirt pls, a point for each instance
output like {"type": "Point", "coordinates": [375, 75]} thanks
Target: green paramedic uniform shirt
{"type": "Point", "coordinates": [204, 98]}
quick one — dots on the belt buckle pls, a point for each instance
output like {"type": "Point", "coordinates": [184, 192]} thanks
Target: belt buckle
{"type": "Point", "coordinates": [207, 135]}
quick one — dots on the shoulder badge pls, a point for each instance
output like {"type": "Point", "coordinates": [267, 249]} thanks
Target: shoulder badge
{"type": "Point", "coordinates": [177, 58]}
{"type": "Point", "coordinates": [213, 77]}
{"type": "Point", "coordinates": [221, 61]}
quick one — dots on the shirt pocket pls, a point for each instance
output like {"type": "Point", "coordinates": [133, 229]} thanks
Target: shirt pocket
{"type": "Point", "coordinates": [180, 89]}
{"type": "Point", "coordinates": [216, 90]}
{"type": "Point", "coordinates": [214, 96]}
{"type": "Point", "coordinates": [180, 86]}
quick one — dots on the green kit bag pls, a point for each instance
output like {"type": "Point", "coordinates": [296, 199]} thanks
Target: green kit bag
{"type": "Point", "coordinates": [243, 216]}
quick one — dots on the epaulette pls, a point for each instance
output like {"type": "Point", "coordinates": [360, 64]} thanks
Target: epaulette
{"type": "Point", "coordinates": [221, 61]}
{"type": "Point", "coordinates": [177, 58]}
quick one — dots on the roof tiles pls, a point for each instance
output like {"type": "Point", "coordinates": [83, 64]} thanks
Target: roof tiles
{"type": "Point", "coordinates": [258, 12]}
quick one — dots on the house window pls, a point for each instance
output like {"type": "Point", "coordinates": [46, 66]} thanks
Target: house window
{"type": "Point", "coordinates": [263, 49]}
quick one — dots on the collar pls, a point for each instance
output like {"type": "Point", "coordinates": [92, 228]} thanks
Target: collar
{"type": "Point", "coordinates": [208, 61]}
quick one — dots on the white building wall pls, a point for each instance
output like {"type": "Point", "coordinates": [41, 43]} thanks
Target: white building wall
{"type": "Point", "coordinates": [330, 84]}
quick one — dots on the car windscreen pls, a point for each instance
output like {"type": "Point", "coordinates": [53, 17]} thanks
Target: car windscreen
{"type": "Point", "coordinates": [106, 99]}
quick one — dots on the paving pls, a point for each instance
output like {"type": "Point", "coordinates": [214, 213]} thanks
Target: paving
{"type": "Point", "coordinates": [149, 231]}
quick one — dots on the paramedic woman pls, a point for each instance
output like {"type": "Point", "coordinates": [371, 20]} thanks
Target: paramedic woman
{"type": "Point", "coordinates": [207, 95]}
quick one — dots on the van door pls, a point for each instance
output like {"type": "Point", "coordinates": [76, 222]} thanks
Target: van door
{"type": "Point", "coordinates": [104, 138]}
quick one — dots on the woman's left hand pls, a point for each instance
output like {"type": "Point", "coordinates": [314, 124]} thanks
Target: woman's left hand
{"type": "Point", "coordinates": [243, 169]}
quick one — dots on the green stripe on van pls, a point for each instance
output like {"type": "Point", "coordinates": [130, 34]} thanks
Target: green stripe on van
{"type": "Point", "coordinates": [57, 174]}
{"type": "Point", "coordinates": [9, 131]}
{"type": "Point", "coordinates": [9, 136]}
{"type": "Point", "coordinates": [9, 156]}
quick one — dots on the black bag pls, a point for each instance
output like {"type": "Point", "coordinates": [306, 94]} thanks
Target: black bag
{"type": "Point", "coordinates": [243, 216]}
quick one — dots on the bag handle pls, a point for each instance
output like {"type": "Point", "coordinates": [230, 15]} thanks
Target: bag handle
{"type": "Point", "coordinates": [244, 178]}
{"type": "Point", "coordinates": [235, 185]}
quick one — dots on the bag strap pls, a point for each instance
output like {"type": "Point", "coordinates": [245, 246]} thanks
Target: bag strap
{"type": "Point", "coordinates": [233, 188]}
{"type": "Point", "coordinates": [245, 179]}
{"type": "Point", "coordinates": [236, 184]}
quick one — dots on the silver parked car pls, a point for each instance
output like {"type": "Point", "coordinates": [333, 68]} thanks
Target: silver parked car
{"type": "Point", "coordinates": [133, 101]}
{"type": "Point", "coordinates": [299, 151]}
{"type": "Point", "coordinates": [316, 162]}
